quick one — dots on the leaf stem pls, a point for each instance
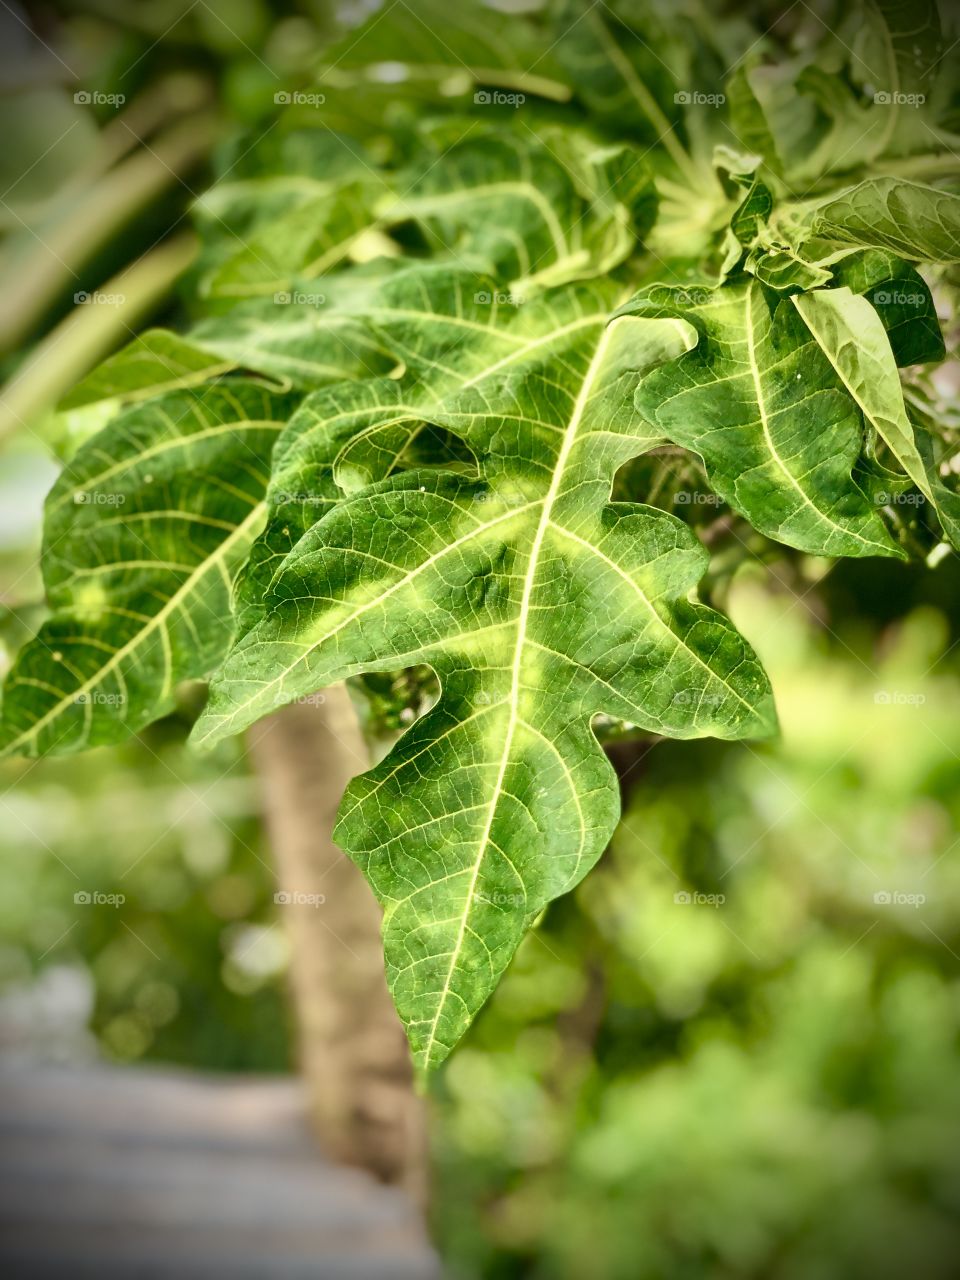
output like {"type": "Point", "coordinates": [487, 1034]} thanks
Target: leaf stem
{"type": "Point", "coordinates": [36, 279]}
{"type": "Point", "coordinates": [90, 332]}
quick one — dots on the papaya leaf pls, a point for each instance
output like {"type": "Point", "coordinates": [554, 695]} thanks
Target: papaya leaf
{"type": "Point", "coordinates": [447, 331]}
{"type": "Point", "coordinates": [760, 403]}
{"type": "Point", "coordinates": [851, 335]}
{"type": "Point", "coordinates": [902, 300]}
{"type": "Point", "coordinates": [539, 604]}
{"type": "Point", "coordinates": [143, 533]}
{"type": "Point", "coordinates": [297, 340]}
{"type": "Point", "coordinates": [920, 223]}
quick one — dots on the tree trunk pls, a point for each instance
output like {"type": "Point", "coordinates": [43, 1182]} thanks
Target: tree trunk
{"type": "Point", "coordinates": [351, 1044]}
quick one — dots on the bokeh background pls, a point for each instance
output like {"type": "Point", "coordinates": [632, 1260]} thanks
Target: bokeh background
{"type": "Point", "coordinates": [733, 1051]}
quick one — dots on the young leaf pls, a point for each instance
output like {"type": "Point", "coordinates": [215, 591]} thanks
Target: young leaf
{"type": "Point", "coordinates": [144, 530]}
{"type": "Point", "coordinates": [155, 362]}
{"type": "Point", "coordinates": [539, 604]}
{"type": "Point", "coordinates": [917, 222]}
{"type": "Point", "coordinates": [759, 402]}
{"type": "Point", "coordinates": [853, 338]}
{"type": "Point", "coordinates": [302, 244]}
{"type": "Point", "coordinates": [902, 300]}
{"type": "Point", "coordinates": [513, 208]}
{"type": "Point", "coordinates": [295, 340]}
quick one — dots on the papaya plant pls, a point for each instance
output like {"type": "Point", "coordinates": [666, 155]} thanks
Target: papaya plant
{"type": "Point", "coordinates": [503, 327]}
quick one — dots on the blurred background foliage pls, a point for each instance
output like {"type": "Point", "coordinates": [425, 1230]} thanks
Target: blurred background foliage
{"type": "Point", "coordinates": [733, 1051]}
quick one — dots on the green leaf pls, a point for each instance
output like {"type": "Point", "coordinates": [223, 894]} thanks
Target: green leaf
{"type": "Point", "coordinates": [153, 363]}
{"type": "Point", "coordinates": [917, 222]}
{"type": "Point", "coordinates": [302, 339]}
{"type": "Point", "coordinates": [758, 400]}
{"type": "Point", "coordinates": [505, 205]}
{"type": "Point", "coordinates": [900, 53]}
{"type": "Point", "coordinates": [612, 61]}
{"type": "Point", "coordinates": [751, 215]}
{"type": "Point", "coordinates": [143, 532]}
{"type": "Point", "coordinates": [429, 52]}
{"type": "Point", "coordinates": [850, 333]}
{"type": "Point", "coordinates": [748, 120]}
{"type": "Point", "coordinates": [902, 300]}
{"type": "Point", "coordinates": [539, 604]}
{"type": "Point", "coordinates": [512, 207]}
{"type": "Point", "coordinates": [784, 270]}
{"type": "Point", "coordinates": [302, 244]}
{"type": "Point", "coordinates": [446, 330]}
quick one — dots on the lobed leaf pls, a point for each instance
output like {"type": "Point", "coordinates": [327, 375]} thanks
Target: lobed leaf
{"type": "Point", "coordinates": [919, 223]}
{"type": "Point", "coordinates": [851, 335]}
{"type": "Point", "coordinates": [760, 403]}
{"type": "Point", "coordinates": [539, 604]}
{"type": "Point", "coordinates": [143, 532]}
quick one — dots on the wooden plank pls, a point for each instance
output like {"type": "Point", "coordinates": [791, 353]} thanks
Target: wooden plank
{"type": "Point", "coordinates": [128, 1172]}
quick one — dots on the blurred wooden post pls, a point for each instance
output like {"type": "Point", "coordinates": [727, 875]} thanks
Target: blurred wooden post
{"type": "Point", "coordinates": [352, 1047]}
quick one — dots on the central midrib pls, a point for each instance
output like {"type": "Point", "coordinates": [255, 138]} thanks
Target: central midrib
{"type": "Point", "coordinates": [569, 439]}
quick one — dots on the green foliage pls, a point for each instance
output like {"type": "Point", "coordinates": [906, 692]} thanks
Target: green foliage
{"type": "Point", "coordinates": [479, 289]}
